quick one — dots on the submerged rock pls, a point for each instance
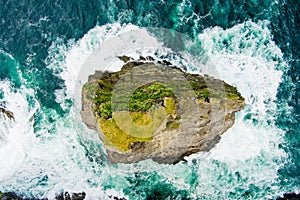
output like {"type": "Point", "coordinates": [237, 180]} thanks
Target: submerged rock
{"type": "Point", "coordinates": [9, 196]}
{"type": "Point", "coordinates": [72, 196]}
{"type": "Point", "coordinates": [7, 113]}
{"type": "Point", "coordinates": [117, 198]}
{"type": "Point", "coordinates": [61, 196]}
{"type": "Point", "coordinates": [156, 111]}
{"type": "Point", "coordinates": [289, 196]}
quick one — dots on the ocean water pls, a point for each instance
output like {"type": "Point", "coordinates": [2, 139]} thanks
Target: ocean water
{"type": "Point", "coordinates": [47, 49]}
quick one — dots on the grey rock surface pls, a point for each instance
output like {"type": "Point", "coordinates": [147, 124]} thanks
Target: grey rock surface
{"type": "Point", "coordinates": [201, 122]}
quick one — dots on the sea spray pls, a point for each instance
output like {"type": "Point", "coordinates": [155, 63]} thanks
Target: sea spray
{"type": "Point", "coordinates": [68, 156]}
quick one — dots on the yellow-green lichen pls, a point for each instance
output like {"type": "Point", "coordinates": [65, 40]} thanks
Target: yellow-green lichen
{"type": "Point", "coordinates": [149, 106]}
{"type": "Point", "coordinates": [170, 106]}
{"type": "Point", "coordinates": [117, 138]}
{"type": "Point", "coordinates": [125, 123]}
{"type": "Point", "coordinates": [172, 125]}
{"type": "Point", "coordinates": [140, 118]}
{"type": "Point", "coordinates": [120, 132]}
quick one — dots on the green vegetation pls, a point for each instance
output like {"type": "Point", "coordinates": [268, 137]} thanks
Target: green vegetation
{"type": "Point", "coordinates": [102, 99]}
{"type": "Point", "coordinates": [172, 125]}
{"type": "Point", "coordinates": [147, 96]}
{"type": "Point", "coordinates": [116, 137]}
{"type": "Point", "coordinates": [141, 100]}
{"type": "Point", "coordinates": [140, 118]}
{"type": "Point", "coordinates": [121, 132]}
{"type": "Point", "coordinates": [224, 91]}
{"type": "Point", "coordinates": [146, 112]}
{"type": "Point", "coordinates": [89, 88]}
{"type": "Point", "coordinates": [170, 105]}
{"type": "Point", "coordinates": [149, 105]}
{"type": "Point", "coordinates": [128, 126]}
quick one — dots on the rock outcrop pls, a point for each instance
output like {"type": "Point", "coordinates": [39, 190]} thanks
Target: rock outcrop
{"type": "Point", "coordinates": [156, 111]}
{"type": "Point", "coordinates": [290, 196]}
{"type": "Point", "coordinates": [61, 196]}
{"type": "Point", "coordinates": [7, 113]}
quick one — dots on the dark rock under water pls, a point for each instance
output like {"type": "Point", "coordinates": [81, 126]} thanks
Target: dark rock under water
{"type": "Point", "coordinates": [61, 196]}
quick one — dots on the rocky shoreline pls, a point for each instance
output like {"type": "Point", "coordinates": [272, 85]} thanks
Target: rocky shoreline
{"type": "Point", "coordinates": [82, 195]}
{"type": "Point", "coordinates": [198, 128]}
{"type": "Point", "coordinates": [61, 196]}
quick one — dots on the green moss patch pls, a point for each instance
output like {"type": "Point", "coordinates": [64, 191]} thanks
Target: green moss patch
{"type": "Point", "coordinates": [147, 96]}
{"type": "Point", "coordinates": [149, 106]}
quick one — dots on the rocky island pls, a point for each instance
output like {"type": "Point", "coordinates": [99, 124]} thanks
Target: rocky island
{"type": "Point", "coordinates": [155, 110]}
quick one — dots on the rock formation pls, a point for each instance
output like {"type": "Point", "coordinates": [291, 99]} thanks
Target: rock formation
{"type": "Point", "coordinates": [60, 196]}
{"type": "Point", "coordinates": [7, 113]}
{"type": "Point", "coordinates": [290, 196]}
{"type": "Point", "coordinates": [156, 111]}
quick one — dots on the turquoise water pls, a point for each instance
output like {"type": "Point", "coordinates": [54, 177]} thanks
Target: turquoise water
{"type": "Point", "coordinates": [253, 45]}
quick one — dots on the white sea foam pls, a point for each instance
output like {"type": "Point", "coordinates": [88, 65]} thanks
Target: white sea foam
{"type": "Point", "coordinates": [249, 149]}
{"type": "Point", "coordinates": [254, 137]}
{"type": "Point", "coordinates": [246, 141]}
{"type": "Point", "coordinates": [17, 133]}
{"type": "Point", "coordinates": [254, 72]}
{"type": "Point", "coordinates": [38, 167]}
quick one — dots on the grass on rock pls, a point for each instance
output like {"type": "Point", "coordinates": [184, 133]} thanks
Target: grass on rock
{"type": "Point", "coordinates": [149, 106]}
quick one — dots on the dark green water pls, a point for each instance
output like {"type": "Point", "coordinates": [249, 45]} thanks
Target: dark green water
{"type": "Point", "coordinates": [34, 34]}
